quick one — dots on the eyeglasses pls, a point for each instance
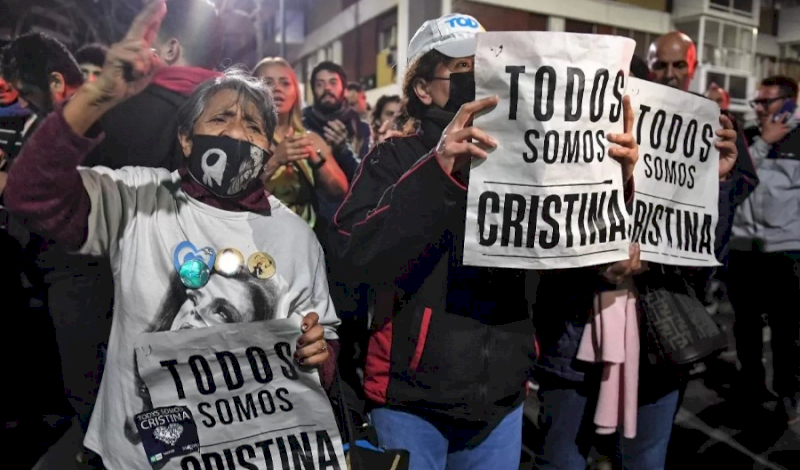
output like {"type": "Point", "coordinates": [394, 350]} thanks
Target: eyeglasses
{"type": "Point", "coordinates": [765, 102]}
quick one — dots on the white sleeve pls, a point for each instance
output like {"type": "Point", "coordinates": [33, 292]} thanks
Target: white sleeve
{"type": "Point", "coordinates": [115, 196]}
{"type": "Point", "coordinates": [320, 300]}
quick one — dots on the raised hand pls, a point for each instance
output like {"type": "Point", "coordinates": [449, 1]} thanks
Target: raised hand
{"type": "Point", "coordinates": [455, 148]}
{"type": "Point", "coordinates": [627, 150]}
{"type": "Point", "coordinates": [130, 63]}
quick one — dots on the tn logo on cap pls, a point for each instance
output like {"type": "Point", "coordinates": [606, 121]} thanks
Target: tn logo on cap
{"type": "Point", "coordinates": [462, 21]}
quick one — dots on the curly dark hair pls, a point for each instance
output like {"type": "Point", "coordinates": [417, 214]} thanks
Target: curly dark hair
{"type": "Point", "coordinates": [423, 68]}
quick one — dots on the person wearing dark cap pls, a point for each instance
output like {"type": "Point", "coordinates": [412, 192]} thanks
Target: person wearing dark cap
{"type": "Point", "coordinates": [91, 58]}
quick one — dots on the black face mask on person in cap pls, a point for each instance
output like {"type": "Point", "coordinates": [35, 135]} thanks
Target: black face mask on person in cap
{"type": "Point", "coordinates": [227, 167]}
{"type": "Point", "coordinates": [462, 90]}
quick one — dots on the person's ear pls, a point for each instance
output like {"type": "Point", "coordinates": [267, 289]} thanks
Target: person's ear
{"type": "Point", "coordinates": [421, 89]}
{"type": "Point", "coordinates": [171, 51]}
{"type": "Point", "coordinates": [58, 87]}
{"type": "Point", "coordinates": [186, 144]}
{"type": "Point", "coordinates": [692, 72]}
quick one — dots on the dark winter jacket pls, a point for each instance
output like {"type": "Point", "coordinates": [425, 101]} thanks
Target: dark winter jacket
{"type": "Point", "coordinates": [448, 340]}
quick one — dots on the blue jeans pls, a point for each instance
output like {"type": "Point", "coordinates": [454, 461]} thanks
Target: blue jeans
{"type": "Point", "coordinates": [448, 445]}
{"type": "Point", "coordinates": [567, 429]}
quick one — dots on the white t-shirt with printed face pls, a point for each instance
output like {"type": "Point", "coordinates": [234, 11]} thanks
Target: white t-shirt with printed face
{"type": "Point", "coordinates": [142, 220]}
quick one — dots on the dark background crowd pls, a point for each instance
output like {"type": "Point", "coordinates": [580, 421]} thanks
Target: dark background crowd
{"type": "Point", "coordinates": [59, 305]}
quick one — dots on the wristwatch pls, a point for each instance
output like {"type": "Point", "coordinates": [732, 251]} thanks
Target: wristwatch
{"type": "Point", "coordinates": [318, 165]}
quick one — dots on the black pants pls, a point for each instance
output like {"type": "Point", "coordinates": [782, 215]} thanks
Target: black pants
{"type": "Point", "coordinates": [768, 283]}
{"type": "Point", "coordinates": [80, 297]}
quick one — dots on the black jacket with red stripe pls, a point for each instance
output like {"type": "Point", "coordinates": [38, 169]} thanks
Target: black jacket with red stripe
{"type": "Point", "coordinates": [448, 340]}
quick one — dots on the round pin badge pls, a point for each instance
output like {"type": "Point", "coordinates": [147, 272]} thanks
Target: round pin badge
{"type": "Point", "coordinates": [194, 273]}
{"type": "Point", "coordinates": [229, 261]}
{"type": "Point", "coordinates": [261, 265]}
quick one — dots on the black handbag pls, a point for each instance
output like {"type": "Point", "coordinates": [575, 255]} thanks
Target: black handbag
{"type": "Point", "coordinates": [362, 452]}
{"type": "Point", "coordinates": [678, 329]}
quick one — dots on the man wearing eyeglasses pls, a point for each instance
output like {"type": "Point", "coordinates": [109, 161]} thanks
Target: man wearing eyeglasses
{"type": "Point", "coordinates": [765, 260]}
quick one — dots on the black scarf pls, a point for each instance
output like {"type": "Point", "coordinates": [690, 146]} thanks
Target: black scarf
{"type": "Point", "coordinates": [433, 123]}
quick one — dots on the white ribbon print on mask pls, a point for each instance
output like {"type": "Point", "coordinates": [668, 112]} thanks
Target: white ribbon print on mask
{"type": "Point", "coordinates": [214, 172]}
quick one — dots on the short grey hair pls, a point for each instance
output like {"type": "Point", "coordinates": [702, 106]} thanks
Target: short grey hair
{"type": "Point", "coordinates": [248, 89]}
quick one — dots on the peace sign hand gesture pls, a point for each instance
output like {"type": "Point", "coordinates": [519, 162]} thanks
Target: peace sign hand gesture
{"type": "Point", "coordinates": [130, 63]}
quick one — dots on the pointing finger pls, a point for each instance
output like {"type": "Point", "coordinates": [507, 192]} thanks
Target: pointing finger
{"type": "Point", "coordinates": [628, 114]}
{"type": "Point", "coordinates": [145, 26]}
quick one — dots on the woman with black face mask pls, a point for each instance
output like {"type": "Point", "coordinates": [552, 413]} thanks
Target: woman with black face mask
{"type": "Point", "coordinates": [206, 244]}
{"type": "Point", "coordinates": [452, 346]}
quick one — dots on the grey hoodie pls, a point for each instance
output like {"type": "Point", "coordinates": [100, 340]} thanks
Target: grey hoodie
{"type": "Point", "coordinates": [770, 217]}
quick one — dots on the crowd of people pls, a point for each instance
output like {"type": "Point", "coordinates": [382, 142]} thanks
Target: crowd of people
{"type": "Point", "coordinates": [358, 214]}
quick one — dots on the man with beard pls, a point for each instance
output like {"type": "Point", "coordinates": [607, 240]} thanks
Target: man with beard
{"type": "Point", "coordinates": [765, 260]}
{"type": "Point", "coordinates": [672, 59]}
{"type": "Point", "coordinates": [331, 117]}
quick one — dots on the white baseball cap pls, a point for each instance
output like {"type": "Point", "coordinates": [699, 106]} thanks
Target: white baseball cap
{"type": "Point", "coordinates": [453, 35]}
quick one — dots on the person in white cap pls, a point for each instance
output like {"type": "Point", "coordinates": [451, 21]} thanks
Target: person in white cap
{"type": "Point", "coordinates": [451, 350]}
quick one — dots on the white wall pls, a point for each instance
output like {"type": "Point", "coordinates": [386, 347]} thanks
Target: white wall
{"type": "Point", "coordinates": [375, 93]}
{"type": "Point", "coordinates": [789, 25]}
{"type": "Point", "coordinates": [344, 22]}
{"type": "Point", "coordinates": [595, 11]}
{"type": "Point", "coordinates": [767, 44]}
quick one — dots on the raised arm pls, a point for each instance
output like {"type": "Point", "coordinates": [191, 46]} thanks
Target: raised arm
{"type": "Point", "coordinates": [44, 187]}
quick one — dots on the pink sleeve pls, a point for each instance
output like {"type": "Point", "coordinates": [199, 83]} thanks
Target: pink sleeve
{"type": "Point", "coordinates": [44, 188]}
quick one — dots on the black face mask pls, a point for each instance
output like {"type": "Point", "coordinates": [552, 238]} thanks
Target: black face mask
{"type": "Point", "coordinates": [227, 167]}
{"type": "Point", "coordinates": [462, 90]}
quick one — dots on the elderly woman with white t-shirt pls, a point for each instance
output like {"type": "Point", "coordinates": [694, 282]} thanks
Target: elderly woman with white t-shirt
{"type": "Point", "coordinates": [200, 247]}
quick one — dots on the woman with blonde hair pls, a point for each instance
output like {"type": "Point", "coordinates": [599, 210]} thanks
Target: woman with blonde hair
{"type": "Point", "coordinates": [303, 162]}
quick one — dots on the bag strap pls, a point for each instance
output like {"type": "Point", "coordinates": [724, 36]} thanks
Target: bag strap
{"type": "Point", "coordinates": [353, 458]}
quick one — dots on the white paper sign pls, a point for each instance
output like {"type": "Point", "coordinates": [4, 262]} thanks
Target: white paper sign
{"type": "Point", "coordinates": [252, 405]}
{"type": "Point", "coordinates": [677, 176]}
{"type": "Point", "coordinates": [549, 196]}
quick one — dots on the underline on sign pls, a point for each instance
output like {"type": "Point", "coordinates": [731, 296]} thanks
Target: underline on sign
{"type": "Point", "coordinates": [674, 256]}
{"type": "Point", "coordinates": [549, 185]}
{"type": "Point", "coordinates": [260, 433]}
{"type": "Point", "coordinates": [550, 257]}
{"type": "Point", "coordinates": [670, 200]}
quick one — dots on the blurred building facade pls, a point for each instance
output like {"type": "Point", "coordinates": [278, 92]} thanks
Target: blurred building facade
{"type": "Point", "coordinates": [739, 41]}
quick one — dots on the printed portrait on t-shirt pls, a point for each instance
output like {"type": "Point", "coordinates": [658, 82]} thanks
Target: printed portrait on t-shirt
{"type": "Point", "coordinates": [239, 298]}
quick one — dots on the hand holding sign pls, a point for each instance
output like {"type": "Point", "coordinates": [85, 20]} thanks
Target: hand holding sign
{"type": "Point", "coordinates": [620, 271]}
{"type": "Point", "coordinates": [627, 152]}
{"type": "Point", "coordinates": [726, 144]}
{"type": "Point", "coordinates": [312, 349]}
{"type": "Point", "coordinates": [455, 148]}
